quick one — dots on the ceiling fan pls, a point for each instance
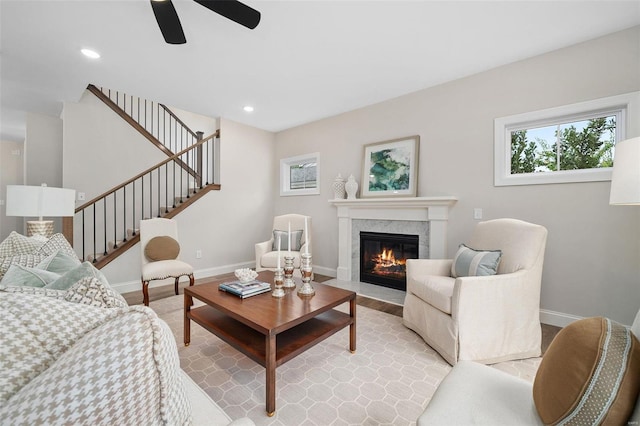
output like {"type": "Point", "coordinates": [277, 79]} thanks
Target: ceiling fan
{"type": "Point", "coordinates": [171, 28]}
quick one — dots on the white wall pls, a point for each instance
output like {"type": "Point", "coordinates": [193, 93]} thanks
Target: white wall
{"type": "Point", "coordinates": [225, 224]}
{"type": "Point", "coordinates": [43, 154]}
{"type": "Point", "coordinates": [101, 151]}
{"type": "Point", "coordinates": [11, 173]}
{"type": "Point", "coordinates": [592, 264]}
{"type": "Point", "coordinates": [43, 150]}
{"type": "Point", "coordinates": [196, 122]}
{"type": "Point", "coordinates": [35, 161]}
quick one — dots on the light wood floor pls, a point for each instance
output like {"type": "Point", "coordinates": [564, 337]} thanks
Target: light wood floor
{"type": "Point", "coordinates": [156, 293]}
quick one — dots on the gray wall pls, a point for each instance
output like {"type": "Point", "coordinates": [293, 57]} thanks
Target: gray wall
{"type": "Point", "coordinates": [101, 151]}
{"type": "Point", "coordinates": [592, 264]}
{"type": "Point", "coordinates": [11, 173]}
{"type": "Point", "coordinates": [43, 150]}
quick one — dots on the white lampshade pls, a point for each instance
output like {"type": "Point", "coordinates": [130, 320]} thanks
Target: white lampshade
{"type": "Point", "coordinates": [40, 201]}
{"type": "Point", "coordinates": [625, 180]}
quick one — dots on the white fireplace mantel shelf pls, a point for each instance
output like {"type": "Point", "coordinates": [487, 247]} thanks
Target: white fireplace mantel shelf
{"type": "Point", "coordinates": [434, 210]}
{"type": "Point", "coordinates": [409, 202]}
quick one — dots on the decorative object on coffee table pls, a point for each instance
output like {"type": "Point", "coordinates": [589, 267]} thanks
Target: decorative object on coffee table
{"type": "Point", "coordinates": [288, 272]}
{"type": "Point", "coordinates": [338, 187]}
{"type": "Point", "coordinates": [351, 187]}
{"type": "Point", "coordinates": [245, 275]}
{"type": "Point", "coordinates": [278, 291]}
{"type": "Point", "coordinates": [306, 289]}
{"type": "Point", "coordinates": [278, 277]}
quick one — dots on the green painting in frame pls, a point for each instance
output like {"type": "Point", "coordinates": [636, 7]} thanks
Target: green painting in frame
{"type": "Point", "coordinates": [390, 168]}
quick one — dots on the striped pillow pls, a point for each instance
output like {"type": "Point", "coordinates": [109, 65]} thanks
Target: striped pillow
{"type": "Point", "coordinates": [469, 262]}
{"type": "Point", "coordinates": [589, 375]}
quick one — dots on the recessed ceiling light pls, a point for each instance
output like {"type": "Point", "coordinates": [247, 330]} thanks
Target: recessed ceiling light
{"type": "Point", "coordinates": [90, 53]}
{"type": "Point", "coordinates": [248, 108]}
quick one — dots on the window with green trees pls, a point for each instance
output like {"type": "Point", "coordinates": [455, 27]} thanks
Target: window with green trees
{"type": "Point", "coordinates": [572, 143]}
{"type": "Point", "coordinates": [576, 145]}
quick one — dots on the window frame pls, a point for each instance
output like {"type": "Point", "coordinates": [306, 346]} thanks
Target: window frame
{"type": "Point", "coordinates": [285, 174]}
{"type": "Point", "coordinates": [622, 106]}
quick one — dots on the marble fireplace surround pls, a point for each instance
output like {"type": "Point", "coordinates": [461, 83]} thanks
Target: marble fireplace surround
{"type": "Point", "coordinates": [434, 210]}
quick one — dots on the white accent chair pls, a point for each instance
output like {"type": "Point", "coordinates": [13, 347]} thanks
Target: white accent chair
{"type": "Point", "coordinates": [267, 258]}
{"type": "Point", "coordinates": [161, 269]}
{"type": "Point", "coordinates": [475, 394]}
{"type": "Point", "coordinates": [487, 319]}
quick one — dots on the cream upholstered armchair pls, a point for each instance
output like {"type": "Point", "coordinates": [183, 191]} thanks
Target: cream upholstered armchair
{"type": "Point", "coordinates": [484, 318]}
{"type": "Point", "coordinates": [475, 394]}
{"type": "Point", "coordinates": [267, 251]}
{"type": "Point", "coordinates": [160, 249]}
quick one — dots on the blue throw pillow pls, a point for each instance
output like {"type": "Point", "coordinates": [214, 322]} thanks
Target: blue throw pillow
{"type": "Point", "coordinates": [18, 275]}
{"type": "Point", "coordinates": [296, 240]}
{"type": "Point", "coordinates": [469, 262]}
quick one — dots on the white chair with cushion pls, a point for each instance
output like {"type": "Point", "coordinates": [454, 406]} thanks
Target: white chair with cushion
{"type": "Point", "coordinates": [267, 251]}
{"type": "Point", "coordinates": [484, 305]}
{"type": "Point", "coordinates": [589, 375]}
{"type": "Point", "coordinates": [160, 249]}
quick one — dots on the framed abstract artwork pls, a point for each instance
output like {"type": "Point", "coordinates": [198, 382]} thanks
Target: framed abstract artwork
{"type": "Point", "coordinates": [390, 168]}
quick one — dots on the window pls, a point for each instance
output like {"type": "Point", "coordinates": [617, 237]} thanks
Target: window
{"type": "Point", "coordinates": [573, 143]}
{"type": "Point", "coordinates": [300, 175]}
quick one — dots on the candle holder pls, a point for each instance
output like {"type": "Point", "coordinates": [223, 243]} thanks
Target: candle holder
{"type": "Point", "coordinates": [305, 267]}
{"type": "Point", "coordinates": [277, 280]}
{"type": "Point", "coordinates": [288, 272]}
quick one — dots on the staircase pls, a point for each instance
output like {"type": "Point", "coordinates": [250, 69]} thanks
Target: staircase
{"type": "Point", "coordinates": [107, 226]}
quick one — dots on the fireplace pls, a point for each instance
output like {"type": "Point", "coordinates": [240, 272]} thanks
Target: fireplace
{"type": "Point", "coordinates": [383, 257]}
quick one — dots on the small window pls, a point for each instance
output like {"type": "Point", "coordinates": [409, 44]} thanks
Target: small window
{"type": "Point", "coordinates": [300, 175]}
{"type": "Point", "coordinates": [574, 143]}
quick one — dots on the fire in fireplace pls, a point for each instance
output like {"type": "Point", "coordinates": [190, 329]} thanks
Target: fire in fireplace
{"type": "Point", "coordinates": [383, 258]}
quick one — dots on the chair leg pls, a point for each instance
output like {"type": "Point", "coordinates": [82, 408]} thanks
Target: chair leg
{"type": "Point", "coordinates": [191, 280]}
{"type": "Point", "coordinates": [145, 292]}
{"type": "Point", "coordinates": [175, 284]}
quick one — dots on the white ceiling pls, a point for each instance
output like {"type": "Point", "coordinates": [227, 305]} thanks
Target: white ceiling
{"type": "Point", "coordinates": [306, 59]}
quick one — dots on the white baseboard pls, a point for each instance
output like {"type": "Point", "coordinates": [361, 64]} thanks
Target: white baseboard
{"type": "Point", "coordinates": [557, 319]}
{"type": "Point", "coordinates": [330, 272]}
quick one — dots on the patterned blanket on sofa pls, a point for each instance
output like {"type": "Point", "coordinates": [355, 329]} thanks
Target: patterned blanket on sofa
{"type": "Point", "coordinates": [64, 362]}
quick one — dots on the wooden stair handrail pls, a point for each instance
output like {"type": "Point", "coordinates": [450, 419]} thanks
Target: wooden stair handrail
{"type": "Point", "coordinates": [150, 169]}
{"type": "Point", "coordinates": [182, 123]}
{"type": "Point", "coordinates": [105, 260]}
{"type": "Point", "coordinates": [144, 132]}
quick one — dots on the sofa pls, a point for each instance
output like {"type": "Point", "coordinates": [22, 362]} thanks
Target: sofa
{"type": "Point", "coordinates": [477, 394]}
{"type": "Point", "coordinates": [73, 352]}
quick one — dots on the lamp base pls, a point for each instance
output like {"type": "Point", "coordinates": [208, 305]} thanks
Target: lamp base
{"type": "Point", "coordinates": [40, 227]}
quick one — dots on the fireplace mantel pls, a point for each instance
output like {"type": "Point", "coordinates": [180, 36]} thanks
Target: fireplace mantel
{"type": "Point", "coordinates": [434, 210]}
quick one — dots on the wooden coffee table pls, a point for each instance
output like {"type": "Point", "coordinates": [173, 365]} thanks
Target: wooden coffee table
{"type": "Point", "coordinates": [270, 330]}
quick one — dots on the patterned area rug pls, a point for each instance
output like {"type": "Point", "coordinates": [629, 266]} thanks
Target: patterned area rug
{"type": "Point", "coordinates": [388, 381]}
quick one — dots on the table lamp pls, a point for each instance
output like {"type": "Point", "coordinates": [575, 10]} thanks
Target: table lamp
{"type": "Point", "coordinates": [40, 201]}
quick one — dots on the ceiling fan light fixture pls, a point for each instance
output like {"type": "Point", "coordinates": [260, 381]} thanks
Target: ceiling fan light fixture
{"type": "Point", "coordinates": [90, 53]}
{"type": "Point", "coordinates": [168, 21]}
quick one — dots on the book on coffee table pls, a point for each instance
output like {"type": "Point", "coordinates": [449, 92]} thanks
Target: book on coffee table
{"type": "Point", "coordinates": [243, 290]}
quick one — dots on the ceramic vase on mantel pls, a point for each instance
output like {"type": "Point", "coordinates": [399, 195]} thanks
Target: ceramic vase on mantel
{"type": "Point", "coordinates": [351, 187]}
{"type": "Point", "coordinates": [338, 188]}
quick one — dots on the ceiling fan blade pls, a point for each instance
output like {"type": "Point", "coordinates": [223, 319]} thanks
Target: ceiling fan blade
{"type": "Point", "coordinates": [168, 21]}
{"type": "Point", "coordinates": [234, 10]}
